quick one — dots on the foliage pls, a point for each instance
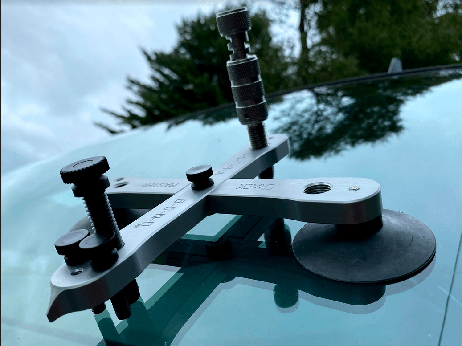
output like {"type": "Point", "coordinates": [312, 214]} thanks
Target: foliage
{"type": "Point", "coordinates": [372, 32]}
{"type": "Point", "coordinates": [338, 39]}
{"type": "Point", "coordinates": [324, 121]}
{"type": "Point", "coordinates": [357, 37]}
{"type": "Point", "coordinates": [193, 76]}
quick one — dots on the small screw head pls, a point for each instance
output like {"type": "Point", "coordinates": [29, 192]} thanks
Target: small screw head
{"type": "Point", "coordinates": [199, 173]}
{"type": "Point", "coordinates": [200, 176]}
{"type": "Point", "coordinates": [82, 170]}
{"type": "Point", "coordinates": [354, 188]}
{"type": "Point", "coordinates": [68, 246]}
{"type": "Point", "coordinates": [70, 241]}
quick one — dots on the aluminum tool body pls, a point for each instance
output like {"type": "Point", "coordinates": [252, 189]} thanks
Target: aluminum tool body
{"type": "Point", "coordinates": [341, 213]}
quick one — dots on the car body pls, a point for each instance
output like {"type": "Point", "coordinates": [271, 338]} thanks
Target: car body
{"type": "Point", "coordinates": [402, 130]}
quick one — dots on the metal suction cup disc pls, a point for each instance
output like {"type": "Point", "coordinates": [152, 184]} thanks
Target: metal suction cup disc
{"type": "Point", "coordinates": [403, 247]}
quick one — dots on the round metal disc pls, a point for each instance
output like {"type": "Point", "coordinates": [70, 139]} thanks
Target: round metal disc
{"type": "Point", "coordinates": [403, 247]}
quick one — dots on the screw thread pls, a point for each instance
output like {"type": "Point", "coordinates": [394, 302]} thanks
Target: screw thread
{"type": "Point", "coordinates": [102, 218]}
{"type": "Point", "coordinates": [257, 136]}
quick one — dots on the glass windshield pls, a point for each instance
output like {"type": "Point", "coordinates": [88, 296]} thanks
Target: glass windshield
{"type": "Point", "coordinates": [401, 132]}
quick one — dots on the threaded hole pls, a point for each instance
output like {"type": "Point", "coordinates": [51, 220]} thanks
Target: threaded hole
{"type": "Point", "coordinates": [317, 188]}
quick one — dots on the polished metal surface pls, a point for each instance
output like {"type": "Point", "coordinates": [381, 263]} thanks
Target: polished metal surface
{"type": "Point", "coordinates": [287, 199]}
{"type": "Point", "coordinates": [278, 197]}
{"type": "Point", "coordinates": [151, 234]}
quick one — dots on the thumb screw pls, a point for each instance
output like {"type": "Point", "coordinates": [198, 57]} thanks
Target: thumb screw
{"type": "Point", "coordinates": [90, 184]}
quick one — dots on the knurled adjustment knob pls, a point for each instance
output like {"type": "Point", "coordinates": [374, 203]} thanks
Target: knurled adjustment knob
{"type": "Point", "coordinates": [233, 22]}
{"type": "Point", "coordinates": [101, 250]}
{"type": "Point", "coordinates": [68, 246]}
{"type": "Point", "coordinates": [200, 177]}
{"type": "Point", "coordinates": [80, 171]}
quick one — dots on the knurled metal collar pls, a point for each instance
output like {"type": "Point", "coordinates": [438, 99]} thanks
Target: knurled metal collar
{"type": "Point", "coordinates": [233, 22]}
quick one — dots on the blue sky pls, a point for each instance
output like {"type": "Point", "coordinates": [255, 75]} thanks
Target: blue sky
{"type": "Point", "coordinates": [61, 61]}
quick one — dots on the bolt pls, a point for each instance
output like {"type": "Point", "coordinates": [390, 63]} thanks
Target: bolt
{"type": "Point", "coordinates": [354, 188]}
{"type": "Point", "coordinates": [123, 300]}
{"type": "Point", "coordinates": [90, 184]}
{"type": "Point", "coordinates": [68, 246]}
{"type": "Point", "coordinates": [200, 177]}
{"type": "Point", "coordinates": [244, 74]}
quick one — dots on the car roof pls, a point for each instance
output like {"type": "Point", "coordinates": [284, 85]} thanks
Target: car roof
{"type": "Point", "coordinates": [401, 130]}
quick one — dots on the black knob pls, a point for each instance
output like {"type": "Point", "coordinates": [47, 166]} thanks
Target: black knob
{"type": "Point", "coordinates": [80, 171]}
{"type": "Point", "coordinates": [101, 250]}
{"type": "Point", "coordinates": [68, 246]}
{"type": "Point", "coordinates": [233, 22]}
{"type": "Point", "coordinates": [200, 177]}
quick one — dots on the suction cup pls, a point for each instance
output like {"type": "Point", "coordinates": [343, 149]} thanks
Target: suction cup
{"type": "Point", "coordinates": [388, 249]}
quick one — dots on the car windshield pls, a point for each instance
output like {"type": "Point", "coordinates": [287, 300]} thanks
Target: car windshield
{"type": "Point", "coordinates": [401, 131]}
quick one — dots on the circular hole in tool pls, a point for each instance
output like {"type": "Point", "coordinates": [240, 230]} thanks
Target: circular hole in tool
{"type": "Point", "coordinates": [119, 179]}
{"type": "Point", "coordinates": [76, 271]}
{"type": "Point", "coordinates": [317, 188]}
{"type": "Point", "coordinates": [121, 184]}
{"type": "Point", "coordinates": [246, 116]}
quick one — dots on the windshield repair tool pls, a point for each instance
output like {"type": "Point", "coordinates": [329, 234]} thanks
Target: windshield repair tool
{"type": "Point", "coordinates": [348, 236]}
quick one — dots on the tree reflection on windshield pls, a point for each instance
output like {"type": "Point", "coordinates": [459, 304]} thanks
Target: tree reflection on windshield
{"type": "Point", "coordinates": [325, 120]}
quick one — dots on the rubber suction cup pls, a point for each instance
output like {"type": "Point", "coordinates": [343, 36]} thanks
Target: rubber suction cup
{"type": "Point", "coordinates": [388, 249]}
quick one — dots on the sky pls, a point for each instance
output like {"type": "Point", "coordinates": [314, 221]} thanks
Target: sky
{"type": "Point", "coordinates": [62, 61]}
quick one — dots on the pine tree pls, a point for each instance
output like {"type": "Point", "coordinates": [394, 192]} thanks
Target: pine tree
{"type": "Point", "coordinates": [193, 75]}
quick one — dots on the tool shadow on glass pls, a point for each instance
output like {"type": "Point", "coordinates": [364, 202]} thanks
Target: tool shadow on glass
{"type": "Point", "coordinates": [236, 257]}
{"type": "Point", "coordinates": [348, 238]}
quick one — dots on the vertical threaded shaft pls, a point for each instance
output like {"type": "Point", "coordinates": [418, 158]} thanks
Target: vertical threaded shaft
{"type": "Point", "coordinates": [257, 136]}
{"type": "Point", "coordinates": [101, 217]}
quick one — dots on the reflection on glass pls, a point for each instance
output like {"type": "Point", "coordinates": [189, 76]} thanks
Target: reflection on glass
{"type": "Point", "coordinates": [168, 315]}
{"type": "Point", "coordinates": [329, 119]}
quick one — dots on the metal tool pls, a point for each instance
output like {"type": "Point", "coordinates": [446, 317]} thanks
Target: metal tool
{"type": "Point", "coordinates": [348, 237]}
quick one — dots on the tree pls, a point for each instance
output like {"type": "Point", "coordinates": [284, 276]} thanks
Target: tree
{"type": "Point", "coordinates": [193, 75]}
{"type": "Point", "coordinates": [323, 121]}
{"type": "Point", "coordinates": [372, 32]}
{"type": "Point", "coordinates": [356, 37]}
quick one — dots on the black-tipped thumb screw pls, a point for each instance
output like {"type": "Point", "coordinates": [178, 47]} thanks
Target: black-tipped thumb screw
{"type": "Point", "coordinates": [200, 177]}
{"type": "Point", "coordinates": [90, 184]}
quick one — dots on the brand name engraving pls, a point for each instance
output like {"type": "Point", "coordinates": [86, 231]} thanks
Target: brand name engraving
{"type": "Point", "coordinates": [160, 185]}
{"type": "Point", "coordinates": [162, 213]}
{"type": "Point", "coordinates": [233, 164]}
{"type": "Point", "coordinates": [255, 186]}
